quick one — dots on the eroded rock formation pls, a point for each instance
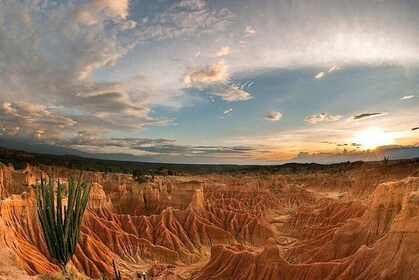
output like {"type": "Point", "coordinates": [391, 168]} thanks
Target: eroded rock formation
{"type": "Point", "coordinates": [249, 226]}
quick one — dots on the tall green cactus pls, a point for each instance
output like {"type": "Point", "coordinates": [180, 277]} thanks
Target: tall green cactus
{"type": "Point", "coordinates": [61, 224]}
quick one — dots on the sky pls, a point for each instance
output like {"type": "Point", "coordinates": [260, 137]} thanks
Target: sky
{"type": "Point", "coordinates": [194, 81]}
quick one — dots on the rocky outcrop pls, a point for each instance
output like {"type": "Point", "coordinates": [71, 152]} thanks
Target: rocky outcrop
{"type": "Point", "coordinates": [348, 243]}
{"type": "Point", "coordinates": [278, 226]}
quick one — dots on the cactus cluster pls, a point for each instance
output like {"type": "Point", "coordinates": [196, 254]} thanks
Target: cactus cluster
{"type": "Point", "coordinates": [61, 224]}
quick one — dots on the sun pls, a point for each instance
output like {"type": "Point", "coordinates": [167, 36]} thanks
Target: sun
{"type": "Point", "coordinates": [373, 137]}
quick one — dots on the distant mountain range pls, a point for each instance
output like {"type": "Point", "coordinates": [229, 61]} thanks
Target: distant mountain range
{"type": "Point", "coordinates": [61, 151]}
{"type": "Point", "coordinates": [392, 152]}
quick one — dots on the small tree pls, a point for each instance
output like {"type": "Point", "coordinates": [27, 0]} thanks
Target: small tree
{"type": "Point", "coordinates": [61, 224]}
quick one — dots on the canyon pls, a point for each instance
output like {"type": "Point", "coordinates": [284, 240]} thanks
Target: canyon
{"type": "Point", "coordinates": [337, 222]}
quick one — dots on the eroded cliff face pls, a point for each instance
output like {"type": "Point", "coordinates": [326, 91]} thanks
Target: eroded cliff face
{"type": "Point", "coordinates": [280, 226]}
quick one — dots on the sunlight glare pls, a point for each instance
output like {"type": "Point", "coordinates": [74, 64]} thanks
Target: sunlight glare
{"type": "Point", "coordinates": [373, 137]}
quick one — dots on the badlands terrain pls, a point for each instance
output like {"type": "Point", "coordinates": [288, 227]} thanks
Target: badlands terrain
{"type": "Point", "coordinates": [345, 221]}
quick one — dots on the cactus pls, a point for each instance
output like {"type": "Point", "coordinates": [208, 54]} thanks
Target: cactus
{"type": "Point", "coordinates": [385, 160]}
{"type": "Point", "coordinates": [116, 271]}
{"type": "Point", "coordinates": [61, 224]}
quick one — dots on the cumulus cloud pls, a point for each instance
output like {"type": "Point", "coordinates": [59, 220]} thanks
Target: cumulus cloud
{"type": "Point", "coordinates": [367, 115]}
{"type": "Point", "coordinates": [210, 74]}
{"type": "Point", "coordinates": [322, 117]}
{"type": "Point", "coordinates": [407, 97]}
{"type": "Point", "coordinates": [249, 31]}
{"type": "Point", "coordinates": [47, 83]}
{"type": "Point", "coordinates": [231, 93]}
{"type": "Point", "coordinates": [273, 116]}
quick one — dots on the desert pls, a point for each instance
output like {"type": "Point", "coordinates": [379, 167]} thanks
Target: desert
{"type": "Point", "coordinates": [343, 221]}
{"type": "Point", "coordinates": [209, 139]}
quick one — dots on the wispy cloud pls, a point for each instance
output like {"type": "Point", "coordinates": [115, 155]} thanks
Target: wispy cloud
{"type": "Point", "coordinates": [228, 111]}
{"type": "Point", "coordinates": [324, 73]}
{"type": "Point", "coordinates": [147, 145]}
{"type": "Point", "coordinates": [367, 115]}
{"type": "Point", "coordinates": [333, 68]}
{"type": "Point", "coordinates": [273, 116]}
{"type": "Point", "coordinates": [323, 117]}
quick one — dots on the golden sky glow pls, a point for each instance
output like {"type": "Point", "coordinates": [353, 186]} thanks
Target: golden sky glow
{"type": "Point", "coordinates": [373, 137]}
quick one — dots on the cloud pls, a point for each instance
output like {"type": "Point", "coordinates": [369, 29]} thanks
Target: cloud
{"type": "Point", "coordinates": [183, 18]}
{"type": "Point", "coordinates": [174, 149]}
{"type": "Point", "coordinates": [407, 97]}
{"type": "Point", "coordinates": [274, 116]}
{"type": "Point", "coordinates": [210, 74]}
{"type": "Point", "coordinates": [322, 117]}
{"type": "Point", "coordinates": [92, 139]}
{"type": "Point", "coordinates": [319, 75]}
{"type": "Point", "coordinates": [367, 115]}
{"type": "Point", "coordinates": [223, 51]}
{"type": "Point", "coordinates": [231, 93]}
{"type": "Point", "coordinates": [228, 111]}
{"type": "Point", "coordinates": [333, 68]}
{"type": "Point", "coordinates": [32, 121]}
{"type": "Point", "coordinates": [393, 152]}
{"type": "Point", "coordinates": [215, 77]}
{"type": "Point", "coordinates": [249, 31]}
{"type": "Point", "coordinates": [159, 146]}
{"type": "Point", "coordinates": [322, 74]}
{"type": "Point", "coordinates": [312, 34]}
{"type": "Point", "coordinates": [94, 11]}
{"type": "Point", "coordinates": [51, 58]}
{"type": "Point", "coordinates": [39, 62]}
